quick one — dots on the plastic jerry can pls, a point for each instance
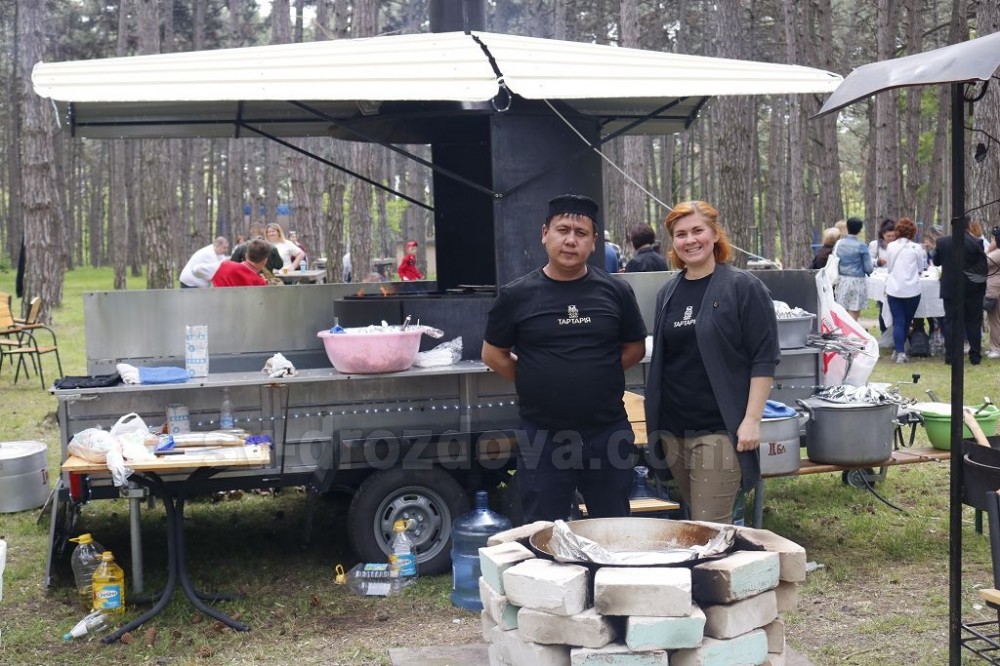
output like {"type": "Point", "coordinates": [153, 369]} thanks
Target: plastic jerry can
{"type": "Point", "coordinates": [85, 559]}
{"type": "Point", "coordinates": [109, 585]}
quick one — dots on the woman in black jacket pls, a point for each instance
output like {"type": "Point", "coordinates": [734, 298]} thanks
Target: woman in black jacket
{"type": "Point", "coordinates": [715, 348]}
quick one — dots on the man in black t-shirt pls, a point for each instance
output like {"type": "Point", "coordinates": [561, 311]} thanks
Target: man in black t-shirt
{"type": "Point", "coordinates": [565, 334]}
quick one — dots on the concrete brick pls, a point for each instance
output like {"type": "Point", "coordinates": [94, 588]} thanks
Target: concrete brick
{"type": "Point", "coordinates": [788, 596]}
{"type": "Point", "coordinates": [665, 633]}
{"type": "Point", "coordinates": [497, 655]}
{"type": "Point", "coordinates": [775, 659]}
{"type": "Point", "coordinates": [497, 606]}
{"type": "Point", "coordinates": [775, 636]}
{"type": "Point", "coordinates": [739, 576]}
{"type": "Point", "coordinates": [585, 629]}
{"type": "Point", "coordinates": [494, 560]}
{"type": "Point", "coordinates": [791, 555]}
{"type": "Point", "coordinates": [749, 648]}
{"type": "Point", "coordinates": [520, 652]}
{"type": "Point", "coordinates": [488, 626]}
{"type": "Point", "coordinates": [562, 589]}
{"type": "Point", "coordinates": [647, 591]}
{"type": "Point", "coordinates": [617, 654]}
{"type": "Point", "coordinates": [739, 617]}
{"type": "Point", "coordinates": [520, 533]}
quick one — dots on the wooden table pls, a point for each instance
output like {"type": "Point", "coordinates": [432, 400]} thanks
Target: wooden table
{"type": "Point", "coordinates": [193, 465]}
{"type": "Point", "coordinates": [311, 276]}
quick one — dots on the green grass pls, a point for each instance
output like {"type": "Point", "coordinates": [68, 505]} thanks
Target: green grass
{"type": "Point", "coordinates": [881, 596]}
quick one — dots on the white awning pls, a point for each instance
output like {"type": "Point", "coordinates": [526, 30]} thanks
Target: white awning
{"type": "Point", "coordinates": [220, 92]}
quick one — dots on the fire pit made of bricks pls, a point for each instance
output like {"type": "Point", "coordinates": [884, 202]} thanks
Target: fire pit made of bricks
{"type": "Point", "coordinates": [716, 612]}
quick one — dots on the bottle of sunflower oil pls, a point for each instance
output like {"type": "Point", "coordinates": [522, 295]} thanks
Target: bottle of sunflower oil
{"type": "Point", "coordinates": [109, 585]}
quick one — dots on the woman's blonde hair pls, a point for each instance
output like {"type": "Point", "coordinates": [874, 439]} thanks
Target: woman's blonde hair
{"type": "Point", "coordinates": [722, 251]}
{"type": "Point", "coordinates": [831, 235]}
{"type": "Point", "coordinates": [275, 225]}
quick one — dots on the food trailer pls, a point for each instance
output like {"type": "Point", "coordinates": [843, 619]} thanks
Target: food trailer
{"type": "Point", "coordinates": [511, 122]}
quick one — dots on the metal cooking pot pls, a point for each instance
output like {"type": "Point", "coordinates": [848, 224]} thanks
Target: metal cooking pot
{"type": "Point", "coordinates": [634, 534]}
{"type": "Point", "coordinates": [24, 476]}
{"type": "Point", "coordinates": [849, 433]}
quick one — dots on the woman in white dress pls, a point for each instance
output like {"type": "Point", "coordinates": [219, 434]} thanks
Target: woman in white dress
{"type": "Point", "coordinates": [290, 253]}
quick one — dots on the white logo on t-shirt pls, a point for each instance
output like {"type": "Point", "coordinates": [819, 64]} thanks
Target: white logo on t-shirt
{"type": "Point", "coordinates": [573, 317]}
{"type": "Point", "coordinates": [688, 318]}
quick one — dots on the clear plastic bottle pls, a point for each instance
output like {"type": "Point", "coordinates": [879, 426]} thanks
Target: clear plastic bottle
{"type": "Point", "coordinates": [226, 411]}
{"type": "Point", "coordinates": [303, 265]}
{"type": "Point", "coordinates": [403, 558]}
{"type": "Point", "coordinates": [109, 585]}
{"type": "Point", "coordinates": [468, 534]}
{"type": "Point", "coordinates": [85, 559]}
{"type": "Point", "coordinates": [94, 622]}
{"type": "Point", "coordinates": [370, 579]}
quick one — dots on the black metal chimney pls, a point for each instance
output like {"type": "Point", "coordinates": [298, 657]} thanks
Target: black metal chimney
{"type": "Point", "coordinates": [457, 15]}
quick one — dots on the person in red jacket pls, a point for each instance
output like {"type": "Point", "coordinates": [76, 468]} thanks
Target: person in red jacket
{"type": "Point", "coordinates": [408, 266]}
{"type": "Point", "coordinates": [244, 273]}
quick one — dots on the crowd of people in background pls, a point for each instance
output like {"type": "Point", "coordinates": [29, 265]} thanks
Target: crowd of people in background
{"type": "Point", "coordinates": [905, 254]}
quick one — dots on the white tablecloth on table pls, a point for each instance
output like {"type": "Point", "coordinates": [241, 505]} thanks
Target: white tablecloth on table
{"type": "Point", "coordinates": [930, 304]}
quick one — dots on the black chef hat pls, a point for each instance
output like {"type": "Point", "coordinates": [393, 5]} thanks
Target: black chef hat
{"type": "Point", "coordinates": [572, 204]}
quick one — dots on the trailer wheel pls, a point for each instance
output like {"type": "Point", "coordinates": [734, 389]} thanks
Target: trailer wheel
{"type": "Point", "coordinates": [430, 497]}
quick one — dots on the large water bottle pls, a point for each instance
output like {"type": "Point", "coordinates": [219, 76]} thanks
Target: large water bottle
{"type": "Point", "coordinates": [468, 535]}
{"type": "Point", "coordinates": [86, 556]}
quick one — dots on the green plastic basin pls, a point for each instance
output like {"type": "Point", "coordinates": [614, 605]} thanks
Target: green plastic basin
{"type": "Point", "coordinates": [938, 426]}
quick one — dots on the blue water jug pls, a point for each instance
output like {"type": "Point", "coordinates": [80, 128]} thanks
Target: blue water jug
{"type": "Point", "coordinates": [468, 535]}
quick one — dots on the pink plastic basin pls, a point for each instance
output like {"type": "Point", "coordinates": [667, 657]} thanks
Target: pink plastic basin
{"type": "Point", "coordinates": [370, 353]}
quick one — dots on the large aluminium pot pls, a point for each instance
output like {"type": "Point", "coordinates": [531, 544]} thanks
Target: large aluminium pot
{"type": "Point", "coordinates": [24, 476]}
{"type": "Point", "coordinates": [779, 445]}
{"type": "Point", "coordinates": [852, 434]}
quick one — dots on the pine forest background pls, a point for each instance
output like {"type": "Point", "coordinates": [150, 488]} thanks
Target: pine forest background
{"type": "Point", "coordinates": [778, 178]}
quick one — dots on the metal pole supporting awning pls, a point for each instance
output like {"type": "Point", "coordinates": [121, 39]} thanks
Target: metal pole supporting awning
{"type": "Point", "coordinates": [959, 65]}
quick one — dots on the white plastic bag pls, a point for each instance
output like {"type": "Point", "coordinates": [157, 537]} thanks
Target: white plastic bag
{"type": "Point", "coordinates": [446, 353]}
{"type": "Point", "coordinates": [834, 368]}
{"type": "Point", "coordinates": [92, 444]}
{"type": "Point", "coordinates": [832, 268]}
{"type": "Point", "coordinates": [129, 423]}
{"type": "Point", "coordinates": [100, 446]}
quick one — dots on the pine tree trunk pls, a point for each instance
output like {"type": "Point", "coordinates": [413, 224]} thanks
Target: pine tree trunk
{"type": "Point", "coordinates": [156, 233]}
{"type": "Point", "coordinates": [797, 233]}
{"type": "Point", "coordinates": [986, 174]}
{"type": "Point", "coordinates": [634, 158]}
{"type": "Point", "coordinates": [42, 223]}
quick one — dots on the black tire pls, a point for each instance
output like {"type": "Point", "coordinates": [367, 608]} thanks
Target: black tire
{"type": "Point", "coordinates": [429, 496]}
{"type": "Point", "coordinates": [856, 478]}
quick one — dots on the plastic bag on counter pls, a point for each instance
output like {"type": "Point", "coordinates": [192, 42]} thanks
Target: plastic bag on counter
{"type": "Point", "coordinates": [131, 422]}
{"type": "Point", "coordinates": [100, 446]}
{"type": "Point", "coordinates": [446, 353]}
{"type": "Point", "coordinates": [279, 366]}
{"type": "Point", "coordinates": [92, 444]}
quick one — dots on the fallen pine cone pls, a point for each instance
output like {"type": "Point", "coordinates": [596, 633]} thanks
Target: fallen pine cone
{"type": "Point", "coordinates": [197, 618]}
{"type": "Point", "coordinates": [150, 636]}
{"type": "Point", "coordinates": [205, 652]}
{"type": "Point", "coordinates": [314, 599]}
{"type": "Point", "coordinates": [126, 638]}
